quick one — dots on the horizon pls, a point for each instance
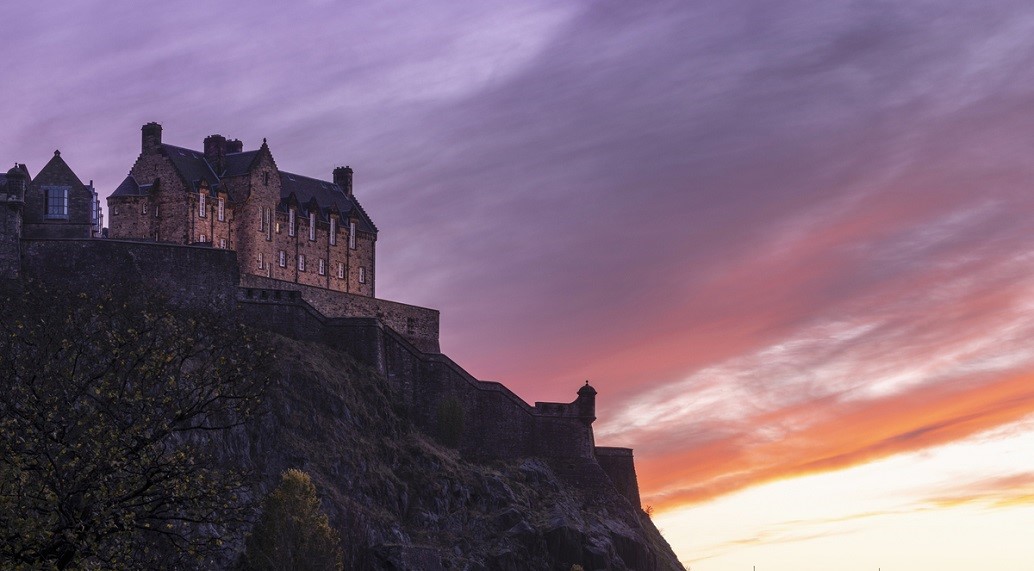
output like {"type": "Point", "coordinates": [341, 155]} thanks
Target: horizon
{"type": "Point", "coordinates": [790, 245]}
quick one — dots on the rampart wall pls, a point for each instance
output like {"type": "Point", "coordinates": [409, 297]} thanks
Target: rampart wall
{"type": "Point", "coordinates": [419, 325]}
{"type": "Point", "coordinates": [484, 420]}
{"type": "Point", "coordinates": [189, 276]}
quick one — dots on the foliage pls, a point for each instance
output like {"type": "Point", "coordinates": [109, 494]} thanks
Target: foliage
{"type": "Point", "coordinates": [106, 401]}
{"type": "Point", "coordinates": [293, 533]}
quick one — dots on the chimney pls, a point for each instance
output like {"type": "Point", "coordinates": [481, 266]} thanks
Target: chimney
{"type": "Point", "coordinates": [215, 152]}
{"type": "Point", "coordinates": [234, 146]}
{"type": "Point", "coordinates": [152, 138]}
{"type": "Point", "coordinates": [343, 178]}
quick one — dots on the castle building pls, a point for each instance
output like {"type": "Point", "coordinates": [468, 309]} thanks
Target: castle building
{"type": "Point", "coordinates": [282, 225]}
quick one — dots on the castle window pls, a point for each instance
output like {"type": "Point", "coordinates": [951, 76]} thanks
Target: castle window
{"type": "Point", "coordinates": [323, 267]}
{"type": "Point", "coordinates": [157, 236]}
{"type": "Point", "coordinates": [222, 243]}
{"type": "Point", "coordinates": [301, 262]}
{"type": "Point", "coordinates": [201, 205]}
{"type": "Point", "coordinates": [262, 220]}
{"type": "Point", "coordinates": [222, 210]}
{"type": "Point", "coordinates": [333, 231]}
{"type": "Point", "coordinates": [265, 178]}
{"type": "Point", "coordinates": [341, 270]}
{"type": "Point", "coordinates": [362, 275]}
{"type": "Point", "coordinates": [351, 235]}
{"type": "Point", "coordinates": [156, 211]}
{"type": "Point", "coordinates": [290, 222]}
{"type": "Point", "coordinates": [57, 202]}
{"type": "Point", "coordinates": [201, 238]}
{"type": "Point", "coordinates": [143, 208]}
{"type": "Point", "coordinates": [312, 226]}
{"type": "Point", "coordinates": [277, 227]}
{"type": "Point", "coordinates": [262, 260]}
{"type": "Point", "coordinates": [283, 258]}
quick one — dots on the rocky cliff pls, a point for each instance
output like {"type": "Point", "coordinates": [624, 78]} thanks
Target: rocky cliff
{"type": "Point", "coordinates": [403, 500]}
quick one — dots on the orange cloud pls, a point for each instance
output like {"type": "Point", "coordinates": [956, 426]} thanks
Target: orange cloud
{"type": "Point", "coordinates": [849, 433]}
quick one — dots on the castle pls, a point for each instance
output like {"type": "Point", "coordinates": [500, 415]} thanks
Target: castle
{"type": "Point", "coordinates": [225, 230]}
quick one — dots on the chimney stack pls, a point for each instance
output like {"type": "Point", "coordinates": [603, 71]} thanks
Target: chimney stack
{"type": "Point", "coordinates": [215, 152]}
{"type": "Point", "coordinates": [343, 178]}
{"type": "Point", "coordinates": [152, 138]}
{"type": "Point", "coordinates": [234, 146]}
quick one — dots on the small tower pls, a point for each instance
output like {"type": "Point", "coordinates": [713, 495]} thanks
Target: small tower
{"type": "Point", "coordinates": [586, 403]}
{"type": "Point", "coordinates": [12, 202]}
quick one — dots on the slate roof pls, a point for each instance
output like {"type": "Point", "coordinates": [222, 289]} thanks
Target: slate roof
{"type": "Point", "coordinates": [192, 166]}
{"type": "Point", "coordinates": [239, 163]}
{"type": "Point", "coordinates": [130, 187]}
{"type": "Point", "coordinates": [326, 194]}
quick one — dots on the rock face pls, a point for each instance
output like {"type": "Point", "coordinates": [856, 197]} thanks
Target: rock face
{"type": "Point", "coordinates": [403, 500]}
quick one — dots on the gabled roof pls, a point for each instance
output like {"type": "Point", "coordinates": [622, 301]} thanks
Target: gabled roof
{"type": "Point", "coordinates": [130, 187]}
{"type": "Point", "coordinates": [326, 194]}
{"type": "Point", "coordinates": [192, 166]}
{"type": "Point", "coordinates": [239, 163]}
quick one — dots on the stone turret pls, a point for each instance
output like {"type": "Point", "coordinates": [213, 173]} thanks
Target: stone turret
{"type": "Point", "coordinates": [586, 403]}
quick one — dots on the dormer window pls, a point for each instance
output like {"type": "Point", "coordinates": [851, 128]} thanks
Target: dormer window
{"type": "Point", "coordinates": [312, 226]}
{"type": "Point", "coordinates": [201, 205]}
{"type": "Point", "coordinates": [333, 231]}
{"type": "Point", "coordinates": [290, 222]}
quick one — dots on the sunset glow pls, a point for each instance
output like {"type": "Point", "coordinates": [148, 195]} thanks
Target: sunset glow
{"type": "Point", "coordinates": [790, 243]}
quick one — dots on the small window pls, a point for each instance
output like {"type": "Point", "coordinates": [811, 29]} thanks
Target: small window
{"type": "Point", "coordinates": [114, 211]}
{"type": "Point", "coordinates": [202, 238]}
{"type": "Point", "coordinates": [262, 261]}
{"type": "Point", "coordinates": [351, 235]}
{"type": "Point", "coordinates": [341, 270]}
{"type": "Point", "coordinates": [301, 262]}
{"type": "Point", "coordinates": [362, 275]}
{"type": "Point", "coordinates": [312, 226]}
{"type": "Point", "coordinates": [57, 202]}
{"type": "Point", "coordinates": [156, 211]}
{"type": "Point", "coordinates": [290, 222]}
{"type": "Point", "coordinates": [201, 205]}
{"type": "Point", "coordinates": [333, 231]}
{"type": "Point", "coordinates": [143, 208]}
{"type": "Point", "coordinates": [157, 236]}
{"type": "Point", "coordinates": [222, 210]}
{"type": "Point", "coordinates": [277, 227]}
{"type": "Point", "coordinates": [323, 267]}
{"type": "Point", "coordinates": [283, 259]}
{"type": "Point", "coordinates": [222, 243]}
{"type": "Point", "coordinates": [265, 178]}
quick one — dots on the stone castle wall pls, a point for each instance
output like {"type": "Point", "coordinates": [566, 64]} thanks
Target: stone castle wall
{"type": "Point", "coordinates": [484, 420]}
{"type": "Point", "coordinates": [419, 325]}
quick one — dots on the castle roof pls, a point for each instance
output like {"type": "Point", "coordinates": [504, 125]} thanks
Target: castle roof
{"type": "Point", "coordinates": [195, 169]}
{"type": "Point", "coordinates": [130, 187]}
{"type": "Point", "coordinates": [192, 166]}
{"type": "Point", "coordinates": [326, 194]}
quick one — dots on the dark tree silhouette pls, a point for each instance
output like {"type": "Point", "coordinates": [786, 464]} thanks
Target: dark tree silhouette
{"type": "Point", "coordinates": [106, 402]}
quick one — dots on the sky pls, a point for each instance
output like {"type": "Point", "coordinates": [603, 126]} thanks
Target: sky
{"type": "Point", "coordinates": [788, 242]}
